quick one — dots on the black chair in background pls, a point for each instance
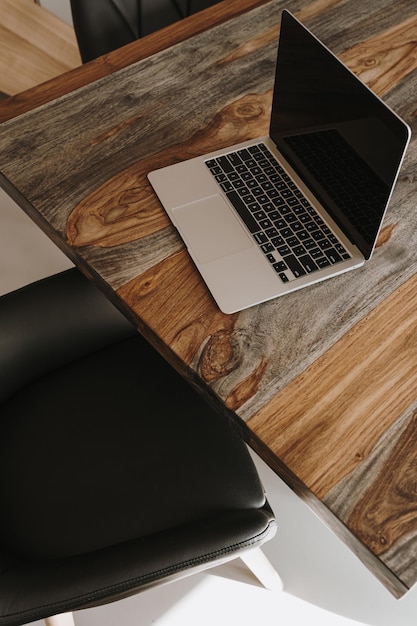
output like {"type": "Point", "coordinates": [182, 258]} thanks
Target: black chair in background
{"type": "Point", "coordinates": [115, 475]}
{"type": "Point", "coordinates": [104, 25]}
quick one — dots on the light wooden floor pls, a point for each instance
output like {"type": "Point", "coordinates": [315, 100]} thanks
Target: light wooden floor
{"type": "Point", "coordinates": [34, 46]}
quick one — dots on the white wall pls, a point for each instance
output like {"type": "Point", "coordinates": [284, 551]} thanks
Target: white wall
{"type": "Point", "coordinates": [61, 8]}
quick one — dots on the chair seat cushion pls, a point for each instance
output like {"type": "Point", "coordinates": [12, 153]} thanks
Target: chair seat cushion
{"type": "Point", "coordinates": [31, 590]}
{"type": "Point", "coordinates": [113, 448]}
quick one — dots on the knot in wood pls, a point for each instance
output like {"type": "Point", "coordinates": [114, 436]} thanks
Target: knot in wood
{"type": "Point", "coordinates": [219, 357]}
{"type": "Point", "coordinates": [247, 110]}
{"type": "Point", "coordinates": [368, 62]}
{"type": "Point", "coordinates": [145, 287]}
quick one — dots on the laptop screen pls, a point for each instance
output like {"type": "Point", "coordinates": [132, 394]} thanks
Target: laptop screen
{"type": "Point", "coordinates": [342, 140]}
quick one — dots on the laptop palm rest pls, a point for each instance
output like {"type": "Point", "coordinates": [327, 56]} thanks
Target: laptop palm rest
{"type": "Point", "coordinates": [210, 228]}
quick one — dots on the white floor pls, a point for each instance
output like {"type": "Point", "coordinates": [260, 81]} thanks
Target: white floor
{"type": "Point", "coordinates": [325, 584]}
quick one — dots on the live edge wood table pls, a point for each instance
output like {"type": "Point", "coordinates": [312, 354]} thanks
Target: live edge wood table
{"type": "Point", "coordinates": [323, 382]}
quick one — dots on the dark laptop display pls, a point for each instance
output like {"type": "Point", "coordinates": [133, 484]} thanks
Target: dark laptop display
{"type": "Point", "coordinates": [338, 136]}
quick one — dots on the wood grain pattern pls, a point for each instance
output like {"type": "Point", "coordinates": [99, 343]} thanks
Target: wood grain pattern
{"type": "Point", "coordinates": [386, 59]}
{"type": "Point", "coordinates": [384, 513]}
{"type": "Point", "coordinates": [325, 403]}
{"type": "Point", "coordinates": [324, 379]}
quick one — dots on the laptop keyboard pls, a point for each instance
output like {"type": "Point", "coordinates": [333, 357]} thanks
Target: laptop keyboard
{"type": "Point", "coordinates": [288, 230]}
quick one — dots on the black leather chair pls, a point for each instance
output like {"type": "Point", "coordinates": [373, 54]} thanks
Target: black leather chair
{"type": "Point", "coordinates": [115, 475]}
{"type": "Point", "coordinates": [104, 25]}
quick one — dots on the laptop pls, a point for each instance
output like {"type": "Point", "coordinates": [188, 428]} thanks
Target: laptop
{"type": "Point", "coordinates": [278, 213]}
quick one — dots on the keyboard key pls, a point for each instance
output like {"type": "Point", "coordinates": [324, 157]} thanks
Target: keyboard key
{"type": "Point", "coordinates": [323, 262]}
{"type": "Point", "coordinates": [317, 235]}
{"type": "Point", "coordinates": [308, 263]}
{"type": "Point", "coordinates": [235, 159]}
{"type": "Point", "coordinates": [309, 244]}
{"type": "Point", "coordinates": [243, 211]}
{"type": "Point", "coordinates": [315, 253]}
{"type": "Point", "coordinates": [280, 266]}
{"type": "Point", "coordinates": [271, 232]}
{"type": "Point", "coordinates": [340, 249]}
{"type": "Point", "coordinates": [299, 250]}
{"type": "Point", "coordinates": [264, 224]}
{"type": "Point", "coordinates": [260, 238]}
{"type": "Point", "coordinates": [303, 235]}
{"type": "Point", "coordinates": [292, 201]}
{"type": "Point", "coordinates": [333, 256]}
{"type": "Point", "coordinates": [244, 154]}
{"type": "Point", "coordinates": [263, 199]}
{"type": "Point", "coordinates": [283, 250]}
{"type": "Point", "coordinates": [278, 241]}
{"type": "Point", "coordinates": [225, 164]}
{"type": "Point", "coordinates": [286, 232]}
{"type": "Point", "coordinates": [311, 226]}
{"type": "Point", "coordinates": [324, 244]}
{"type": "Point", "coordinates": [294, 265]}
{"type": "Point", "coordinates": [227, 186]}
{"type": "Point", "coordinates": [280, 223]}
{"type": "Point", "coordinates": [293, 242]}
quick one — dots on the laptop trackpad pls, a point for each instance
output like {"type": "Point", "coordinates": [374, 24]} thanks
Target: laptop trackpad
{"type": "Point", "coordinates": [211, 229]}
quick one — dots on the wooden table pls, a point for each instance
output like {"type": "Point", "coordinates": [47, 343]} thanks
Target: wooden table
{"type": "Point", "coordinates": [323, 381]}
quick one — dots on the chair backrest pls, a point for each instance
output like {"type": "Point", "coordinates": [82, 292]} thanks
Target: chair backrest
{"type": "Point", "coordinates": [51, 322]}
{"type": "Point", "coordinates": [104, 25]}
